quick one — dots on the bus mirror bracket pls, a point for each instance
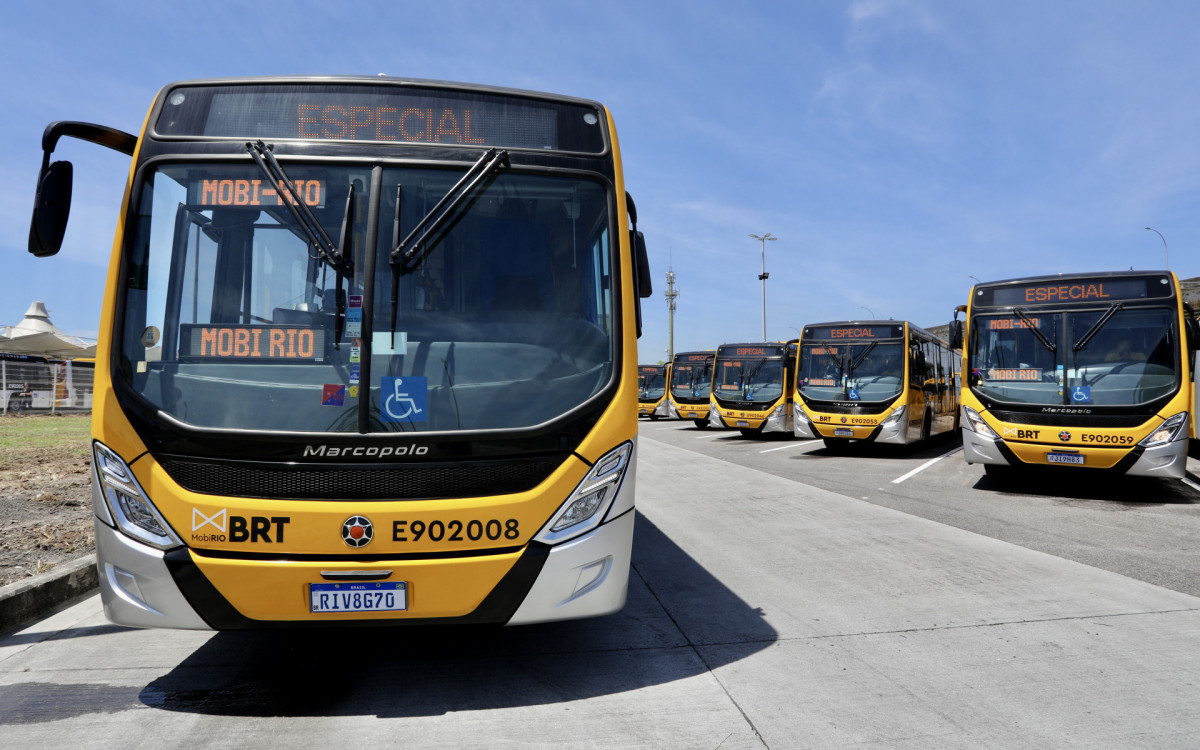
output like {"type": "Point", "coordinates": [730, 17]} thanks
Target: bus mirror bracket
{"type": "Point", "coordinates": [52, 201]}
{"type": "Point", "coordinates": [955, 332]}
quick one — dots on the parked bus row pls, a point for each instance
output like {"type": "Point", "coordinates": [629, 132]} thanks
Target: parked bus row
{"type": "Point", "coordinates": [1081, 370]}
{"type": "Point", "coordinates": [869, 381]}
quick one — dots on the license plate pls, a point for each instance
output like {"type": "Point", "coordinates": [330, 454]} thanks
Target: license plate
{"type": "Point", "coordinates": [1065, 458]}
{"type": "Point", "coordinates": [843, 432]}
{"type": "Point", "coordinates": [358, 597]}
{"type": "Point", "coordinates": [743, 423]}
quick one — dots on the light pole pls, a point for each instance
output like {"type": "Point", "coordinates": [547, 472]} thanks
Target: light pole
{"type": "Point", "coordinates": [763, 276]}
{"type": "Point", "coordinates": [868, 311]}
{"type": "Point", "coordinates": [1166, 253]}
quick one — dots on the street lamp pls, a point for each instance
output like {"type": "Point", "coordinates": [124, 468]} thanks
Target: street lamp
{"type": "Point", "coordinates": [868, 311]}
{"type": "Point", "coordinates": [763, 276]}
{"type": "Point", "coordinates": [1166, 254]}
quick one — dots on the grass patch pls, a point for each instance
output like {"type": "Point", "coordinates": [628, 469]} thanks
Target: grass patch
{"type": "Point", "coordinates": [42, 436]}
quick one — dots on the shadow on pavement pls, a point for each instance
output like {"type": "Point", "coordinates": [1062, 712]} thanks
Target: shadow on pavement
{"type": "Point", "coordinates": [416, 671]}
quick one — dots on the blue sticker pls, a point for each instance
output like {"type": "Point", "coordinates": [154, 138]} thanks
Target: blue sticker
{"type": "Point", "coordinates": [853, 394]}
{"type": "Point", "coordinates": [1081, 394]}
{"type": "Point", "coordinates": [403, 399]}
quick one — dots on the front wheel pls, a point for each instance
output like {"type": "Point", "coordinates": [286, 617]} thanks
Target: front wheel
{"type": "Point", "coordinates": [701, 423]}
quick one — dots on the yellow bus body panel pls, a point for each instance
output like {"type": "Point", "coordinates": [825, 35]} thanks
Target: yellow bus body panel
{"type": "Point", "coordinates": [314, 527]}
{"type": "Point", "coordinates": [862, 424]}
{"type": "Point", "coordinates": [278, 590]}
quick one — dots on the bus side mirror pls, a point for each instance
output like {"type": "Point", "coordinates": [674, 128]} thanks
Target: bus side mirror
{"type": "Point", "coordinates": [645, 288]}
{"type": "Point", "coordinates": [51, 208]}
{"type": "Point", "coordinates": [956, 334]}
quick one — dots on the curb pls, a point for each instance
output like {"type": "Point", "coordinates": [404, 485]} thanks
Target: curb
{"type": "Point", "coordinates": [29, 599]}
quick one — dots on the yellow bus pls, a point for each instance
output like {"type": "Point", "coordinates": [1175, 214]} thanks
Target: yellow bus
{"type": "Point", "coordinates": [752, 387]}
{"type": "Point", "coordinates": [652, 391]}
{"type": "Point", "coordinates": [1079, 371]}
{"type": "Point", "coordinates": [367, 353]}
{"type": "Point", "coordinates": [691, 385]}
{"type": "Point", "coordinates": [882, 381]}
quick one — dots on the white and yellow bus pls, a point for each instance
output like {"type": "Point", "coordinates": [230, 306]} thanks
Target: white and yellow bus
{"type": "Point", "coordinates": [1078, 371]}
{"type": "Point", "coordinates": [752, 387]}
{"type": "Point", "coordinates": [652, 391]}
{"type": "Point", "coordinates": [691, 385]}
{"type": "Point", "coordinates": [367, 353]}
{"type": "Point", "coordinates": [882, 381]}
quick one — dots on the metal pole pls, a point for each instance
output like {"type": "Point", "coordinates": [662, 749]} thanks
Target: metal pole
{"type": "Point", "coordinates": [763, 278]}
{"type": "Point", "coordinates": [671, 294]}
{"type": "Point", "coordinates": [1166, 253]}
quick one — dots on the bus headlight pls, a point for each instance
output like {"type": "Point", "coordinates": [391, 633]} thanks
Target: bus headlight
{"type": "Point", "coordinates": [135, 515]}
{"type": "Point", "coordinates": [894, 417]}
{"type": "Point", "coordinates": [585, 508]}
{"type": "Point", "coordinates": [800, 414]}
{"type": "Point", "coordinates": [974, 422]}
{"type": "Point", "coordinates": [1166, 432]}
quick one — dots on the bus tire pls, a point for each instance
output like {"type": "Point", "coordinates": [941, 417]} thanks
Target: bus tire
{"type": "Point", "coordinates": [835, 445]}
{"type": "Point", "coordinates": [701, 423]}
{"type": "Point", "coordinates": [926, 426]}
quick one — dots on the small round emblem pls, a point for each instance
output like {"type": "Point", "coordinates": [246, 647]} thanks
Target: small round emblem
{"type": "Point", "coordinates": [1064, 436]}
{"type": "Point", "coordinates": [357, 531]}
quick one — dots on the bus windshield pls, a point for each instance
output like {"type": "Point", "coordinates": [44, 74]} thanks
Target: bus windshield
{"type": "Point", "coordinates": [233, 319]}
{"type": "Point", "coordinates": [652, 384]}
{"type": "Point", "coordinates": [751, 379]}
{"type": "Point", "coordinates": [867, 371]}
{"type": "Point", "coordinates": [692, 380]}
{"type": "Point", "coordinates": [1105, 357]}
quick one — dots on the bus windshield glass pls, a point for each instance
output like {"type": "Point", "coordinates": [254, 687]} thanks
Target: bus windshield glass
{"type": "Point", "coordinates": [692, 379]}
{"type": "Point", "coordinates": [749, 379]}
{"type": "Point", "coordinates": [1103, 357]}
{"type": "Point", "coordinates": [859, 371]}
{"type": "Point", "coordinates": [231, 318]}
{"type": "Point", "coordinates": [652, 383]}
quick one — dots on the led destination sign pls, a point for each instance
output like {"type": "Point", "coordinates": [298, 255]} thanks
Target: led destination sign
{"type": "Point", "coordinates": [242, 192]}
{"type": "Point", "coordinates": [380, 113]}
{"type": "Point", "coordinates": [267, 343]}
{"type": "Point", "coordinates": [1077, 291]}
{"type": "Point", "coordinates": [854, 332]}
{"type": "Point", "coordinates": [751, 350]}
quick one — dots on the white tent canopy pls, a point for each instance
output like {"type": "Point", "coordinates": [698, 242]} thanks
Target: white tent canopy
{"type": "Point", "coordinates": [36, 335]}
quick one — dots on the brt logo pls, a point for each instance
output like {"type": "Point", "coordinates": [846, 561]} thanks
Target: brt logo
{"type": "Point", "coordinates": [1021, 434]}
{"type": "Point", "coordinates": [222, 527]}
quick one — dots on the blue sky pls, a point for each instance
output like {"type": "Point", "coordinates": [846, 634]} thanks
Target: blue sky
{"type": "Point", "coordinates": [896, 148]}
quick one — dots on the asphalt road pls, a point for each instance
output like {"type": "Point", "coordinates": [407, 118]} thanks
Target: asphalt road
{"type": "Point", "coordinates": [782, 597]}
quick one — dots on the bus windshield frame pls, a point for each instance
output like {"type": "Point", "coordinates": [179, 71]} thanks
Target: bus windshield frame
{"type": "Point", "coordinates": [866, 370]}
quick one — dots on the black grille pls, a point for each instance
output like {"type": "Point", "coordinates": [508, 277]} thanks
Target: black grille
{"type": "Point", "coordinates": [367, 482]}
{"type": "Point", "coordinates": [1070, 420]}
{"type": "Point", "coordinates": [746, 405]}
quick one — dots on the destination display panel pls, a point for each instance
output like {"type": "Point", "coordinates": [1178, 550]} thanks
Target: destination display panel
{"type": "Point", "coordinates": [1098, 290]}
{"type": "Point", "coordinates": [380, 113]}
{"type": "Point", "coordinates": [842, 332]}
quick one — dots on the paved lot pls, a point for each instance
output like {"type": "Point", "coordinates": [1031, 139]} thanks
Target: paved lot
{"type": "Point", "coordinates": [771, 606]}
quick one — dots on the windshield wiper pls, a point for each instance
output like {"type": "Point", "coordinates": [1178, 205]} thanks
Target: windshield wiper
{"type": "Point", "coordinates": [408, 253]}
{"type": "Point", "coordinates": [1050, 346]}
{"type": "Point", "coordinates": [317, 237]}
{"type": "Point", "coordinates": [859, 359]}
{"type": "Point", "coordinates": [338, 256]}
{"type": "Point", "coordinates": [1087, 337]}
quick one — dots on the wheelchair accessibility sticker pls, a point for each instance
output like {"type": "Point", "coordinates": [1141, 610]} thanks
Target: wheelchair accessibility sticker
{"type": "Point", "coordinates": [1081, 394]}
{"type": "Point", "coordinates": [404, 399]}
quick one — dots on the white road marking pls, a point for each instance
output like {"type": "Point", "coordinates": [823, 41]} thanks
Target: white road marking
{"type": "Point", "coordinates": [806, 444]}
{"type": "Point", "coordinates": [925, 466]}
